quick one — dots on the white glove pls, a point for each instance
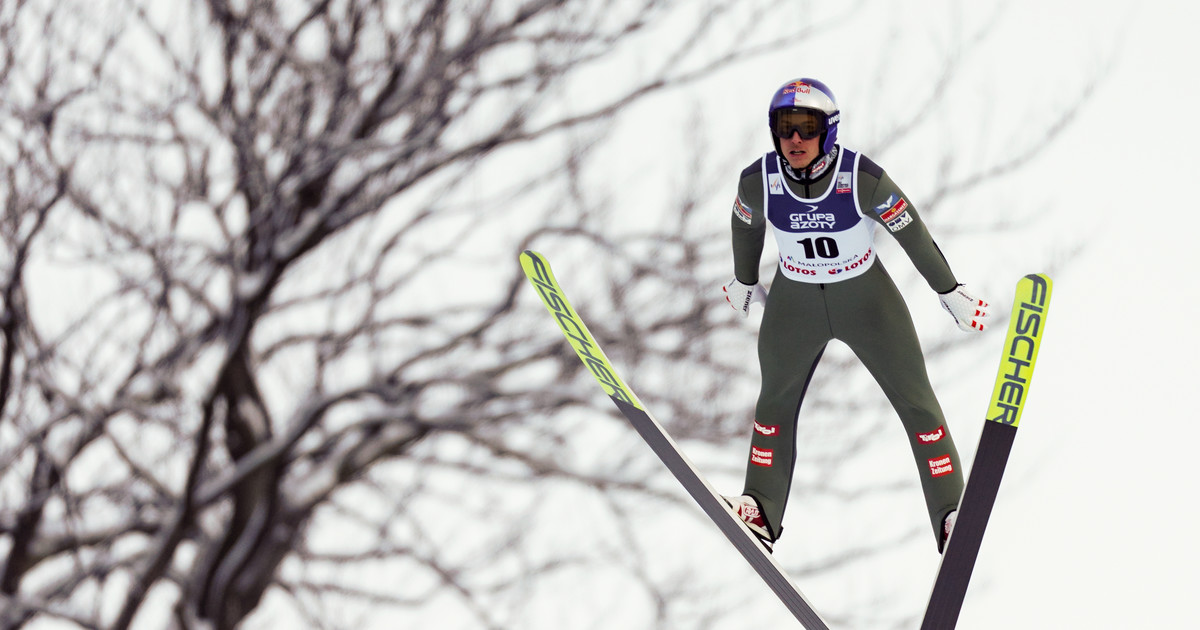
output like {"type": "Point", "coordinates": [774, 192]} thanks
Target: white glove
{"type": "Point", "coordinates": [741, 296]}
{"type": "Point", "coordinates": [967, 310]}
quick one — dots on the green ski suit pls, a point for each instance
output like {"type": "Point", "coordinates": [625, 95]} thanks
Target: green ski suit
{"type": "Point", "coordinates": [826, 289]}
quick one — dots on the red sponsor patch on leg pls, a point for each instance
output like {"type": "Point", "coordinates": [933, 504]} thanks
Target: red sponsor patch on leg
{"type": "Point", "coordinates": [932, 436]}
{"type": "Point", "coordinates": [768, 431]}
{"type": "Point", "coordinates": [761, 456]}
{"type": "Point", "coordinates": [940, 466]}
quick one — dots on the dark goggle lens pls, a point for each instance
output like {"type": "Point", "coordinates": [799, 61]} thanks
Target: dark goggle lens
{"type": "Point", "coordinates": [808, 124]}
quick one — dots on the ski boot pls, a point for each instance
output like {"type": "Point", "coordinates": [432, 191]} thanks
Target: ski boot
{"type": "Point", "coordinates": [947, 528]}
{"type": "Point", "coordinates": [750, 511]}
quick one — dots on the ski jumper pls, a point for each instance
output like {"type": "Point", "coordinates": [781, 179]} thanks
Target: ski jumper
{"type": "Point", "coordinates": [830, 284]}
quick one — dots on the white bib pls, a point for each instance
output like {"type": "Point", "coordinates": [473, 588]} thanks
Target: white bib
{"type": "Point", "coordinates": [827, 239]}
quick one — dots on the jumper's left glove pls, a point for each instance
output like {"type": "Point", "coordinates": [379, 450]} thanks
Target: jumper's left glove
{"type": "Point", "coordinates": [741, 296]}
{"type": "Point", "coordinates": [967, 310]}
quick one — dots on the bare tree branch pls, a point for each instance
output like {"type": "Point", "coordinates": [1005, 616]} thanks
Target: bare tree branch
{"type": "Point", "coordinates": [263, 330]}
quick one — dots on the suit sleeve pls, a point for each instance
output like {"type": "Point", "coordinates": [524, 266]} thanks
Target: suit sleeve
{"type": "Point", "coordinates": [749, 225]}
{"type": "Point", "coordinates": [882, 200]}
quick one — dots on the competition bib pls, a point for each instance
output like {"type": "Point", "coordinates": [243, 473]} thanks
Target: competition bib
{"type": "Point", "coordinates": [820, 240]}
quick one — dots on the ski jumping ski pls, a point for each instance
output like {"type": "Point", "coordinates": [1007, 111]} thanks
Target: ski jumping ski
{"type": "Point", "coordinates": [1025, 328]}
{"type": "Point", "coordinates": [537, 269]}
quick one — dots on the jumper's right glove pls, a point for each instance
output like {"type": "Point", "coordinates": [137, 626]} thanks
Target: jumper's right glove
{"type": "Point", "coordinates": [967, 310]}
{"type": "Point", "coordinates": [741, 296]}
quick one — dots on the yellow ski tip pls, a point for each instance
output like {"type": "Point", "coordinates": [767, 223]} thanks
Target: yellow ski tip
{"type": "Point", "coordinates": [1030, 306]}
{"type": "Point", "coordinates": [537, 270]}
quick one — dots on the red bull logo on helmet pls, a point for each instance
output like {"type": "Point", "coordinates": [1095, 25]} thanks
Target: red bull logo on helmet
{"type": "Point", "coordinates": [797, 87]}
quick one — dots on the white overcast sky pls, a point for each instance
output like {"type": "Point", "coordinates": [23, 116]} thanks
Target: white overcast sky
{"type": "Point", "coordinates": [1096, 525]}
{"type": "Point", "coordinates": [1101, 531]}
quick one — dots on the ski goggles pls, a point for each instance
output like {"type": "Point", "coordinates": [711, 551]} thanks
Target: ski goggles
{"type": "Point", "coordinates": [809, 123]}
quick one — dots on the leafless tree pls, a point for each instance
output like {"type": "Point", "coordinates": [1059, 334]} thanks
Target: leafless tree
{"type": "Point", "coordinates": [263, 347]}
